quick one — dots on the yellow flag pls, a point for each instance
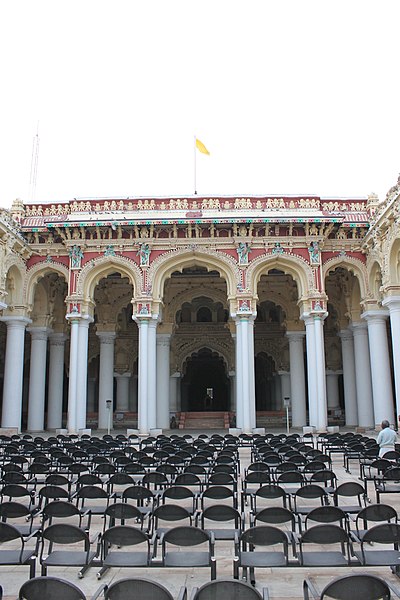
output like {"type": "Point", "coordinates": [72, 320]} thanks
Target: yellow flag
{"type": "Point", "coordinates": [201, 147]}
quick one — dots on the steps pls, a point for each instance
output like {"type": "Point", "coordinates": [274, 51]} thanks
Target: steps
{"type": "Point", "coordinates": [204, 420]}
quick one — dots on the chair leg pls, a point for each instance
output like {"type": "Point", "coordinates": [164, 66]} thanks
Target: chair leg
{"type": "Point", "coordinates": [252, 576]}
{"type": "Point", "coordinates": [213, 569]}
{"type": "Point", "coordinates": [236, 568]}
{"type": "Point", "coordinates": [32, 568]}
{"type": "Point", "coordinates": [83, 570]}
{"type": "Point", "coordinates": [43, 570]}
{"type": "Point", "coordinates": [101, 572]}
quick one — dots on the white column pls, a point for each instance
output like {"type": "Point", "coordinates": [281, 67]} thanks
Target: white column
{"type": "Point", "coordinates": [297, 378]}
{"type": "Point", "coordinates": [81, 389]}
{"type": "Point", "coordinates": [106, 375]}
{"type": "Point", "coordinates": [123, 380]}
{"type": "Point", "coordinates": [37, 378]}
{"type": "Point", "coordinates": [393, 304]}
{"type": "Point", "coordinates": [143, 424]}
{"type": "Point", "coordinates": [332, 390]}
{"type": "Point", "coordinates": [13, 371]}
{"type": "Point", "coordinates": [311, 371]}
{"type": "Point", "coordinates": [349, 377]}
{"type": "Point", "coordinates": [245, 391]}
{"type": "Point", "coordinates": [251, 367]}
{"type": "Point", "coordinates": [152, 374]}
{"type": "Point", "coordinates": [320, 368]}
{"type": "Point", "coordinates": [73, 372]}
{"type": "Point", "coordinates": [365, 407]}
{"type": "Point", "coordinates": [382, 392]}
{"type": "Point", "coordinates": [163, 369]}
{"type": "Point", "coordinates": [238, 359]}
{"type": "Point", "coordinates": [56, 380]}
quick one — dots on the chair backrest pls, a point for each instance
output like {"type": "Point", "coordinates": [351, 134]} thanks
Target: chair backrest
{"type": "Point", "coordinates": [375, 513]}
{"type": "Point", "coordinates": [357, 587]}
{"type": "Point", "coordinates": [276, 515]}
{"type": "Point", "coordinates": [134, 587]}
{"type": "Point", "coordinates": [124, 535]}
{"type": "Point", "coordinates": [384, 533]}
{"type": "Point", "coordinates": [186, 536]}
{"type": "Point", "coordinates": [63, 533]}
{"type": "Point", "coordinates": [326, 514]}
{"type": "Point", "coordinates": [227, 588]}
{"type": "Point", "coordinates": [42, 588]}
{"type": "Point", "coordinates": [264, 535]}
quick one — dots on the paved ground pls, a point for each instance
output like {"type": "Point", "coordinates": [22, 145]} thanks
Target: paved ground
{"type": "Point", "coordinates": [282, 583]}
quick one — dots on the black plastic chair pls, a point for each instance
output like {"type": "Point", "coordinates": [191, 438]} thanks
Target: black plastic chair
{"type": "Point", "coordinates": [134, 588]}
{"type": "Point", "coordinates": [189, 539]}
{"type": "Point", "coordinates": [248, 557]}
{"type": "Point", "coordinates": [350, 587]}
{"type": "Point", "coordinates": [385, 534]}
{"type": "Point", "coordinates": [19, 515]}
{"type": "Point", "coordinates": [59, 509]}
{"type": "Point", "coordinates": [48, 588]}
{"type": "Point", "coordinates": [229, 589]}
{"type": "Point", "coordinates": [63, 534]}
{"type": "Point", "coordinates": [222, 513]}
{"type": "Point", "coordinates": [123, 536]}
{"type": "Point", "coordinates": [16, 556]}
{"type": "Point", "coordinates": [375, 514]}
{"type": "Point", "coordinates": [320, 538]}
{"type": "Point", "coordinates": [350, 490]}
{"type": "Point", "coordinates": [122, 511]}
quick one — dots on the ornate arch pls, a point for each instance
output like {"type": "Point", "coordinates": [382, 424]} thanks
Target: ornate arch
{"type": "Point", "coordinates": [39, 271]}
{"type": "Point", "coordinates": [177, 260]}
{"type": "Point", "coordinates": [184, 351]}
{"type": "Point", "coordinates": [98, 268]}
{"type": "Point", "coordinates": [13, 261]}
{"type": "Point", "coordinates": [394, 262]}
{"type": "Point", "coordinates": [354, 265]}
{"type": "Point", "coordinates": [292, 265]}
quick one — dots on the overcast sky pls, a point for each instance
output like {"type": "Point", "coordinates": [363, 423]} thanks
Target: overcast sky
{"type": "Point", "coordinates": [289, 97]}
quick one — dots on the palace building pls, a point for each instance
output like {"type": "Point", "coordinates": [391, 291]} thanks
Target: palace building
{"type": "Point", "coordinates": [200, 311]}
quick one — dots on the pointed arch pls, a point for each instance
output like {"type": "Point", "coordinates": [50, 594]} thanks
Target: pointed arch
{"type": "Point", "coordinates": [353, 265]}
{"type": "Point", "coordinates": [177, 260]}
{"type": "Point", "coordinates": [37, 272]}
{"type": "Point", "coordinates": [295, 266]}
{"type": "Point", "coordinates": [98, 268]}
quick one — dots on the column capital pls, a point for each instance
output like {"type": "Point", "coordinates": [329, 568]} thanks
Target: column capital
{"type": "Point", "coordinates": [346, 335]}
{"type": "Point", "coordinates": [125, 375]}
{"type": "Point", "coordinates": [106, 337]}
{"type": "Point", "coordinates": [163, 339]}
{"type": "Point", "coordinates": [375, 315]}
{"type": "Point", "coordinates": [16, 322]}
{"type": "Point", "coordinates": [39, 333]}
{"type": "Point", "coordinates": [358, 327]}
{"type": "Point", "coordinates": [315, 315]}
{"type": "Point", "coordinates": [296, 336]}
{"type": "Point", "coordinates": [392, 302]}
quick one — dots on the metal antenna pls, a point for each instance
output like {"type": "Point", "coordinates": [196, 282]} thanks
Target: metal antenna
{"type": "Point", "coordinates": [34, 165]}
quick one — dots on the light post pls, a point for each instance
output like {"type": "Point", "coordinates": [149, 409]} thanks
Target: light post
{"type": "Point", "coordinates": [109, 408]}
{"type": "Point", "coordinates": [286, 404]}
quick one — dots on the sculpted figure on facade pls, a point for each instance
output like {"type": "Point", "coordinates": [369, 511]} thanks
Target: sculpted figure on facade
{"type": "Point", "coordinates": [243, 251]}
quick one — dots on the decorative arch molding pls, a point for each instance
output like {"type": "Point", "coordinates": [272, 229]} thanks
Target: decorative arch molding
{"type": "Point", "coordinates": [394, 262]}
{"type": "Point", "coordinates": [374, 281]}
{"type": "Point", "coordinates": [187, 349]}
{"type": "Point", "coordinates": [292, 265]}
{"type": "Point", "coordinates": [177, 260]}
{"type": "Point", "coordinates": [13, 261]}
{"type": "Point", "coordinates": [285, 303]}
{"type": "Point", "coordinates": [355, 266]}
{"type": "Point", "coordinates": [39, 271]}
{"type": "Point", "coordinates": [98, 268]}
{"type": "Point", "coordinates": [189, 294]}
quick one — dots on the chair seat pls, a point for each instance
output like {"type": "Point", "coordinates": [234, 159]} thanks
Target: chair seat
{"type": "Point", "coordinates": [187, 559]}
{"type": "Point", "coordinates": [263, 559]}
{"type": "Point", "coordinates": [12, 557]}
{"type": "Point", "coordinates": [126, 559]}
{"type": "Point", "coordinates": [61, 558]}
{"type": "Point", "coordinates": [379, 558]}
{"type": "Point", "coordinates": [324, 559]}
{"type": "Point", "coordinates": [224, 534]}
{"type": "Point", "coordinates": [388, 488]}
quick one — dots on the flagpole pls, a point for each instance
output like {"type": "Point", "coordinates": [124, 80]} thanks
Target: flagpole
{"type": "Point", "coordinates": [195, 159]}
